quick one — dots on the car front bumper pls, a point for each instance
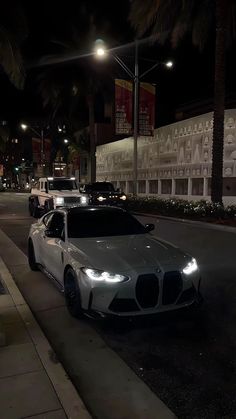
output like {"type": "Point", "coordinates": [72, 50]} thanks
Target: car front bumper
{"type": "Point", "coordinates": [148, 293]}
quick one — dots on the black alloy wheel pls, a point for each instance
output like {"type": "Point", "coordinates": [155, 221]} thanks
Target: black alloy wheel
{"type": "Point", "coordinates": [72, 294]}
{"type": "Point", "coordinates": [31, 257]}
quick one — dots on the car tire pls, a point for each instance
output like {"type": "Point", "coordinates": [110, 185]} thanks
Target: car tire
{"type": "Point", "coordinates": [31, 257]}
{"type": "Point", "coordinates": [72, 294]}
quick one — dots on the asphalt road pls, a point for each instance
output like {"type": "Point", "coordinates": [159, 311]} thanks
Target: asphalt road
{"type": "Point", "coordinates": [187, 358]}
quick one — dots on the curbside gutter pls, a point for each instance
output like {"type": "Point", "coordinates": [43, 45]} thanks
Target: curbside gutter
{"type": "Point", "coordinates": [66, 392]}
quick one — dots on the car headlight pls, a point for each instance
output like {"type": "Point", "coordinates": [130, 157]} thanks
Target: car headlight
{"type": "Point", "coordinates": [191, 267]}
{"type": "Point", "coordinates": [101, 198]}
{"type": "Point", "coordinates": [103, 276]}
{"type": "Point", "coordinates": [59, 200]}
{"type": "Point", "coordinates": [123, 197]}
{"type": "Point", "coordinates": [83, 200]}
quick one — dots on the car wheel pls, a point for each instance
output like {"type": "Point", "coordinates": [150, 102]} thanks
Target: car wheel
{"type": "Point", "coordinates": [72, 294]}
{"type": "Point", "coordinates": [31, 257]}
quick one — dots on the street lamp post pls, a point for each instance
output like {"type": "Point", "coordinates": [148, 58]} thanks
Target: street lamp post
{"type": "Point", "coordinates": [39, 134]}
{"type": "Point", "coordinates": [101, 53]}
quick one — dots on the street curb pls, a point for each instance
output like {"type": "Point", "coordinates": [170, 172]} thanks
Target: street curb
{"type": "Point", "coordinates": [66, 392]}
{"type": "Point", "coordinates": [202, 224]}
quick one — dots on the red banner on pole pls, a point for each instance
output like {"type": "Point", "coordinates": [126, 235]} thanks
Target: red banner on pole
{"type": "Point", "coordinates": [36, 150]}
{"type": "Point", "coordinates": [123, 106]}
{"type": "Point", "coordinates": [147, 94]}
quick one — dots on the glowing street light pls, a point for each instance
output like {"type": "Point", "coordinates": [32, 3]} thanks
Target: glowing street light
{"type": "Point", "coordinates": [100, 52]}
{"type": "Point", "coordinates": [169, 64]}
{"type": "Point", "coordinates": [66, 141]}
{"type": "Point", "coordinates": [24, 127]}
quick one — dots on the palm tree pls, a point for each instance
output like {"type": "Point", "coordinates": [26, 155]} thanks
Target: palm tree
{"type": "Point", "coordinates": [173, 19]}
{"type": "Point", "coordinates": [13, 32]}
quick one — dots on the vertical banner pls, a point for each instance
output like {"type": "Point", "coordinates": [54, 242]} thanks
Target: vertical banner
{"type": "Point", "coordinates": [47, 150]}
{"type": "Point", "coordinates": [36, 150]}
{"type": "Point", "coordinates": [1, 170]}
{"type": "Point", "coordinates": [147, 94]}
{"type": "Point", "coordinates": [123, 106]}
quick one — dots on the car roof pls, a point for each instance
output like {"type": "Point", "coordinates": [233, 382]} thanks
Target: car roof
{"type": "Point", "coordinates": [84, 209]}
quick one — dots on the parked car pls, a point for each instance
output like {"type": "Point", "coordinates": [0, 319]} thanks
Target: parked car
{"type": "Point", "coordinates": [104, 193]}
{"type": "Point", "coordinates": [107, 262]}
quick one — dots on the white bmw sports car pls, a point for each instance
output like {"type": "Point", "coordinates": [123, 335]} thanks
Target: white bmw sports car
{"type": "Point", "coordinates": [107, 262]}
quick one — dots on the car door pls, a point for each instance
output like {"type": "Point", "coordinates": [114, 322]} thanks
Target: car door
{"type": "Point", "coordinates": [41, 237]}
{"type": "Point", "coordinates": [53, 251]}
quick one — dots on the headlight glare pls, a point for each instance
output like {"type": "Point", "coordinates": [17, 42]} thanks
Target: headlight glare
{"type": "Point", "coordinates": [103, 276]}
{"type": "Point", "coordinates": [101, 198]}
{"type": "Point", "coordinates": [191, 267]}
{"type": "Point", "coordinates": [123, 197]}
{"type": "Point", "coordinates": [83, 200]}
{"type": "Point", "coordinates": [59, 200]}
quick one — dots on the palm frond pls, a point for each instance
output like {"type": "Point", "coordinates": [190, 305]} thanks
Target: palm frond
{"type": "Point", "coordinates": [10, 59]}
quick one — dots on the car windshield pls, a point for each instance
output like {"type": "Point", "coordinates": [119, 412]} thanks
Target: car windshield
{"type": "Point", "coordinates": [62, 184]}
{"type": "Point", "coordinates": [100, 187]}
{"type": "Point", "coordinates": [94, 223]}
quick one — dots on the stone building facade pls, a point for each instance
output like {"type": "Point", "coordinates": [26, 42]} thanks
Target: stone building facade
{"type": "Point", "coordinates": [176, 162]}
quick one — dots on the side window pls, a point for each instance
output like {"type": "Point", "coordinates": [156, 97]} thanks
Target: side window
{"type": "Point", "coordinates": [57, 224]}
{"type": "Point", "coordinates": [47, 219]}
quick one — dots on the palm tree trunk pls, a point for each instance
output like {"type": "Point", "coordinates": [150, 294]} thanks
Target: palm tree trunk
{"type": "Point", "coordinates": [92, 138]}
{"type": "Point", "coordinates": [219, 103]}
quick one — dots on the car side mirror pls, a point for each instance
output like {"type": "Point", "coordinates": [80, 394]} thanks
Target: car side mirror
{"type": "Point", "coordinates": [149, 227]}
{"type": "Point", "coordinates": [53, 234]}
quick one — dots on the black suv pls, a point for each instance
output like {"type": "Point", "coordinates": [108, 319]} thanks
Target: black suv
{"type": "Point", "coordinates": [104, 193]}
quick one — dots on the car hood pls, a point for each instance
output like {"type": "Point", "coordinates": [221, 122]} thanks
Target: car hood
{"type": "Point", "coordinates": [125, 253]}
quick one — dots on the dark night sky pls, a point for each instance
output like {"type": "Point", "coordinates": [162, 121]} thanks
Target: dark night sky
{"type": "Point", "coordinates": [190, 80]}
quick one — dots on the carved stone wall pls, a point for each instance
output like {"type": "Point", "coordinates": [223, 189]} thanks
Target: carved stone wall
{"type": "Point", "coordinates": [182, 150]}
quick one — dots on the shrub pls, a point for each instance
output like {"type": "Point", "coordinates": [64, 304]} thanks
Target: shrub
{"type": "Point", "coordinates": [181, 208]}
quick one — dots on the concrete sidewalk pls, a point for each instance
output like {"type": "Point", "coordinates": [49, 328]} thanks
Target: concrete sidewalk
{"type": "Point", "coordinates": [33, 384]}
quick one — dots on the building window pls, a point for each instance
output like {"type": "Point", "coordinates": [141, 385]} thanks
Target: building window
{"type": "Point", "coordinates": [130, 186]}
{"type": "Point", "coordinates": [122, 186]}
{"type": "Point", "coordinates": [229, 186]}
{"type": "Point", "coordinates": [197, 186]}
{"type": "Point", "coordinates": [141, 186]}
{"type": "Point", "coordinates": [166, 186]}
{"type": "Point", "coordinates": [114, 183]}
{"type": "Point", "coordinates": [153, 186]}
{"type": "Point", "coordinates": [181, 187]}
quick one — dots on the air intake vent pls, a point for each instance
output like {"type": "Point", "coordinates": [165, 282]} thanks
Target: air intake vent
{"type": "Point", "coordinates": [147, 290]}
{"type": "Point", "coordinates": [172, 287]}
